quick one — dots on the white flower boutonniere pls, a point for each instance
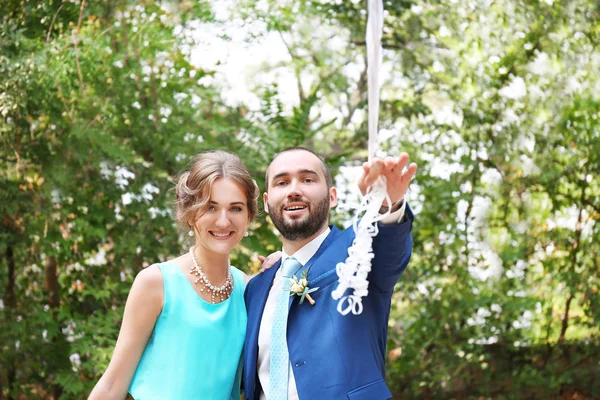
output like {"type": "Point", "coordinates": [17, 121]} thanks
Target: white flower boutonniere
{"type": "Point", "coordinates": [299, 287]}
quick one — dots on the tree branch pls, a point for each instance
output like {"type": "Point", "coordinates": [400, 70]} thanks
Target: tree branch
{"type": "Point", "coordinates": [93, 121]}
{"type": "Point", "coordinates": [359, 95]}
{"type": "Point", "coordinates": [76, 44]}
{"type": "Point", "coordinates": [64, 101]}
{"type": "Point", "coordinates": [383, 45]}
{"type": "Point", "coordinates": [289, 49]}
{"type": "Point", "coordinates": [17, 146]}
{"type": "Point", "coordinates": [11, 299]}
{"type": "Point", "coordinates": [52, 23]}
{"type": "Point", "coordinates": [574, 251]}
{"type": "Point", "coordinates": [80, 16]}
{"type": "Point", "coordinates": [154, 99]}
{"type": "Point", "coordinates": [565, 320]}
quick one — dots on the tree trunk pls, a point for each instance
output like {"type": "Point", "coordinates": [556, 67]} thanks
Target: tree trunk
{"type": "Point", "coordinates": [52, 289]}
{"type": "Point", "coordinates": [52, 283]}
{"type": "Point", "coordinates": [11, 304]}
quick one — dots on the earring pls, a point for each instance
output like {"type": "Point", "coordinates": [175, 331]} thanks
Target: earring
{"type": "Point", "coordinates": [246, 234]}
{"type": "Point", "coordinates": [191, 233]}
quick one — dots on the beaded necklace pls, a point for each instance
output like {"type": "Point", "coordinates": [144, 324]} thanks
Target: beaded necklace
{"type": "Point", "coordinates": [218, 293]}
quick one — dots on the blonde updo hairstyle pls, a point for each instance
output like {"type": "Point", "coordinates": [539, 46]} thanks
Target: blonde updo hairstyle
{"type": "Point", "coordinates": [195, 184]}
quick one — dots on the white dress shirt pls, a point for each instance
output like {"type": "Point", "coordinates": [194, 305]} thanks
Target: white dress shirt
{"type": "Point", "coordinates": [303, 255]}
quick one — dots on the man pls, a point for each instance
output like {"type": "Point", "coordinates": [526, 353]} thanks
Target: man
{"type": "Point", "coordinates": [311, 352]}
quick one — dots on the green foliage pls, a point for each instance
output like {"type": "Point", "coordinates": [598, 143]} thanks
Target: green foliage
{"type": "Point", "coordinates": [100, 106]}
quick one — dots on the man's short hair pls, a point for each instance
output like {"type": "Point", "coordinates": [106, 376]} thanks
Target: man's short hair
{"type": "Point", "coordinates": [324, 167]}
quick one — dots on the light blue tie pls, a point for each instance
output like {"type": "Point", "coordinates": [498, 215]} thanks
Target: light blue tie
{"type": "Point", "coordinates": [280, 358]}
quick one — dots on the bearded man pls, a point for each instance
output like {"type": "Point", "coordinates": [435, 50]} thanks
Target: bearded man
{"type": "Point", "coordinates": [300, 350]}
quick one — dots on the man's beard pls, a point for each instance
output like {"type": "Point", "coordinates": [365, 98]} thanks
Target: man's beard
{"type": "Point", "coordinates": [301, 229]}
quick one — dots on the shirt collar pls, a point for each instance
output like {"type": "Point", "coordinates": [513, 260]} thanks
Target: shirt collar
{"type": "Point", "coordinates": [304, 254]}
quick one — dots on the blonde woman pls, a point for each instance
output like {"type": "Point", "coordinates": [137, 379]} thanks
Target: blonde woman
{"type": "Point", "coordinates": [185, 319]}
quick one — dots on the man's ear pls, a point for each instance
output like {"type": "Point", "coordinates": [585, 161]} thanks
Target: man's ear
{"type": "Point", "coordinates": [266, 202]}
{"type": "Point", "coordinates": [333, 197]}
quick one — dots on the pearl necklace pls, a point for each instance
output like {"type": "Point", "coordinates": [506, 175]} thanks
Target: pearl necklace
{"type": "Point", "coordinates": [221, 293]}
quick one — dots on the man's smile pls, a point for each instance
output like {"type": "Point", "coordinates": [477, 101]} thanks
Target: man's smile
{"type": "Point", "coordinates": [295, 208]}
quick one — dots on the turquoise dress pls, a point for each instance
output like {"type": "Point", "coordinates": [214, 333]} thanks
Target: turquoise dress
{"type": "Point", "coordinates": [196, 347]}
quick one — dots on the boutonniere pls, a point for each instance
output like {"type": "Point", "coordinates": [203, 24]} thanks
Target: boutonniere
{"type": "Point", "coordinates": [300, 288]}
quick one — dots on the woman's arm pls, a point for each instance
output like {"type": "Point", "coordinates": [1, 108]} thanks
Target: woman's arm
{"type": "Point", "coordinates": [143, 307]}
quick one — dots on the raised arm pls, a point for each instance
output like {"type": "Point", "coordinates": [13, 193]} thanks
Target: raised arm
{"type": "Point", "coordinates": [393, 245]}
{"type": "Point", "coordinates": [392, 248]}
{"type": "Point", "coordinates": [144, 304]}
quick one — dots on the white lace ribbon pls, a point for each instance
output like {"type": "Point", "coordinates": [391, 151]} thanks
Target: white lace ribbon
{"type": "Point", "coordinates": [353, 272]}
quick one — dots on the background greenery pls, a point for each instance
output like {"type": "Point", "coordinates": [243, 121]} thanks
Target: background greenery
{"type": "Point", "coordinates": [497, 101]}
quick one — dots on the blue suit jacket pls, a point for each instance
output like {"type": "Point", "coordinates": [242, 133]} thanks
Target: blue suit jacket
{"type": "Point", "coordinates": [334, 356]}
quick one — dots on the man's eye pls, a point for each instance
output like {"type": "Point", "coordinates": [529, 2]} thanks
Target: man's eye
{"type": "Point", "coordinates": [281, 183]}
{"type": "Point", "coordinates": [309, 180]}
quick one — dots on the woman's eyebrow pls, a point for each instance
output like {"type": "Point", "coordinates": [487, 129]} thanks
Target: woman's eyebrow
{"type": "Point", "coordinates": [231, 204]}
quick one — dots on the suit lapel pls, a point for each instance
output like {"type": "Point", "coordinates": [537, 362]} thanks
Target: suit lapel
{"type": "Point", "coordinates": [315, 270]}
{"type": "Point", "coordinates": [262, 292]}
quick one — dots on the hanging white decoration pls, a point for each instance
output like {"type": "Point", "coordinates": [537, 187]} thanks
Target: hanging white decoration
{"type": "Point", "coordinates": [354, 271]}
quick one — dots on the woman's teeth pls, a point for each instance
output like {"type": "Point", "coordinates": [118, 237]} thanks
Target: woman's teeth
{"type": "Point", "coordinates": [215, 234]}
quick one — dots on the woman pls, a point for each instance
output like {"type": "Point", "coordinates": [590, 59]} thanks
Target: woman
{"type": "Point", "coordinates": [185, 319]}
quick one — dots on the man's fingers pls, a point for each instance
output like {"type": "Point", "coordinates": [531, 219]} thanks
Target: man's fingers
{"type": "Point", "coordinates": [374, 171]}
{"type": "Point", "coordinates": [411, 170]}
{"type": "Point", "coordinates": [408, 173]}
{"type": "Point", "coordinates": [400, 163]}
{"type": "Point", "coordinates": [392, 168]}
{"type": "Point", "coordinates": [389, 163]}
{"type": "Point", "coordinates": [362, 181]}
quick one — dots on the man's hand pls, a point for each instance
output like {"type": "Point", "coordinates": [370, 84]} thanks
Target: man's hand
{"type": "Point", "coordinates": [392, 169]}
